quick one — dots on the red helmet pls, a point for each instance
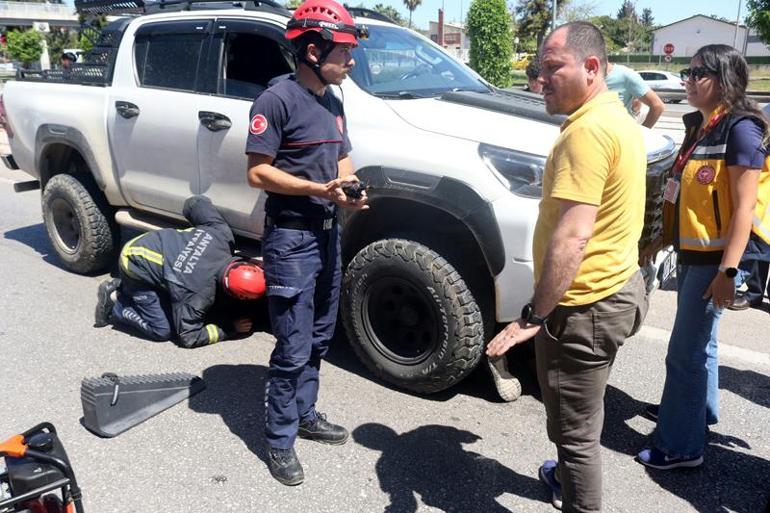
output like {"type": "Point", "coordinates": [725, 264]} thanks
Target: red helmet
{"type": "Point", "coordinates": [326, 17]}
{"type": "Point", "coordinates": [244, 280]}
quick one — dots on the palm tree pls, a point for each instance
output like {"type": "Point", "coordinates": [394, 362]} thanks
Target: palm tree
{"type": "Point", "coordinates": [411, 5]}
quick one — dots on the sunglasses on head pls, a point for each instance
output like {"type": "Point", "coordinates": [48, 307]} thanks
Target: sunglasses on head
{"type": "Point", "coordinates": [695, 73]}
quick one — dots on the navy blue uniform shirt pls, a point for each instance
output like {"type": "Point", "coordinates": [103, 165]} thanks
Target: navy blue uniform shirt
{"type": "Point", "coordinates": [306, 134]}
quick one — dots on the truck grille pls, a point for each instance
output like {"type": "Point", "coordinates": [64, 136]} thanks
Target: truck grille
{"type": "Point", "coordinates": [657, 175]}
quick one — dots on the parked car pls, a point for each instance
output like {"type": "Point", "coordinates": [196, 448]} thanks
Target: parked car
{"type": "Point", "coordinates": [159, 111]}
{"type": "Point", "coordinates": [669, 86]}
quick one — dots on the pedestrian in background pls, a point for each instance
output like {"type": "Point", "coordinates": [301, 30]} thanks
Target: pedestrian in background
{"type": "Point", "coordinates": [589, 294]}
{"type": "Point", "coordinates": [298, 152]}
{"type": "Point", "coordinates": [755, 265]}
{"type": "Point", "coordinates": [533, 71]}
{"type": "Point", "coordinates": [67, 59]}
{"type": "Point", "coordinates": [629, 85]}
{"type": "Point", "coordinates": [718, 196]}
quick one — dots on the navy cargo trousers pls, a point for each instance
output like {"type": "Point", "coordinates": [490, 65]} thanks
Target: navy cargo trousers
{"type": "Point", "coordinates": [303, 272]}
{"type": "Point", "coordinates": [140, 307]}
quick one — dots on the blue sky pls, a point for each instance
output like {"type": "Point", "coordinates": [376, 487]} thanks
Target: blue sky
{"type": "Point", "coordinates": [663, 11]}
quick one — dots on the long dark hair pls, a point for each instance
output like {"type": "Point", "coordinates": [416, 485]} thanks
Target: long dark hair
{"type": "Point", "coordinates": [733, 74]}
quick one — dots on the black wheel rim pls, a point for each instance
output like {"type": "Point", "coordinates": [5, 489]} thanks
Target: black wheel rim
{"type": "Point", "coordinates": [66, 225]}
{"type": "Point", "coordinates": [402, 320]}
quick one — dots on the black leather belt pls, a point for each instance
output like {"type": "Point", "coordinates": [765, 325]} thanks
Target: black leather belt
{"type": "Point", "coordinates": [301, 223]}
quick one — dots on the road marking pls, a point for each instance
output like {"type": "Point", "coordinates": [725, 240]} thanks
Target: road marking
{"type": "Point", "coordinates": [725, 350]}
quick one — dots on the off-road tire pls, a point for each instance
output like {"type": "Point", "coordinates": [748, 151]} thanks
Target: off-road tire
{"type": "Point", "coordinates": [435, 296]}
{"type": "Point", "coordinates": [80, 225]}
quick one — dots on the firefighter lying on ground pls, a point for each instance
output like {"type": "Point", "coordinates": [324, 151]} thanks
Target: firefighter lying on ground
{"type": "Point", "coordinates": [171, 279]}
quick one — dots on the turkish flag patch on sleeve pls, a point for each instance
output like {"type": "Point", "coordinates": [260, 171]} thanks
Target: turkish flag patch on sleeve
{"type": "Point", "coordinates": [258, 124]}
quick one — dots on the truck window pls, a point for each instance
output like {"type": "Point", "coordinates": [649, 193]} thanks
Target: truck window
{"type": "Point", "coordinates": [167, 55]}
{"type": "Point", "coordinates": [250, 59]}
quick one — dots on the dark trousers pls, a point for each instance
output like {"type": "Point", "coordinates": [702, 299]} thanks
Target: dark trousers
{"type": "Point", "coordinates": [142, 309]}
{"type": "Point", "coordinates": [303, 272]}
{"type": "Point", "coordinates": [756, 283]}
{"type": "Point", "coordinates": [574, 357]}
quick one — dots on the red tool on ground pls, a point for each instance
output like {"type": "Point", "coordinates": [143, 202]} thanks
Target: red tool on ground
{"type": "Point", "coordinates": [37, 464]}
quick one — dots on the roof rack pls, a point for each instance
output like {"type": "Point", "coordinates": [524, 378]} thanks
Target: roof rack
{"type": "Point", "coordinates": [146, 7]}
{"type": "Point", "coordinates": [363, 12]}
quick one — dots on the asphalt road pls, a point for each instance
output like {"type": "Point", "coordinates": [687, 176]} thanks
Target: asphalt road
{"type": "Point", "coordinates": [459, 451]}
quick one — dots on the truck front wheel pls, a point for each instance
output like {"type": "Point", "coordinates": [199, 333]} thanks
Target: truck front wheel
{"type": "Point", "coordinates": [81, 229]}
{"type": "Point", "coordinates": [410, 316]}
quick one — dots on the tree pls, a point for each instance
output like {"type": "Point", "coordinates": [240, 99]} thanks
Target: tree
{"type": "Point", "coordinates": [647, 19]}
{"type": "Point", "coordinates": [412, 5]}
{"type": "Point", "coordinates": [568, 11]}
{"type": "Point", "coordinates": [489, 27]}
{"type": "Point", "coordinates": [293, 4]}
{"type": "Point", "coordinates": [759, 18]}
{"type": "Point", "coordinates": [26, 46]}
{"type": "Point", "coordinates": [90, 28]}
{"type": "Point", "coordinates": [534, 19]}
{"type": "Point", "coordinates": [391, 12]}
{"type": "Point", "coordinates": [635, 34]}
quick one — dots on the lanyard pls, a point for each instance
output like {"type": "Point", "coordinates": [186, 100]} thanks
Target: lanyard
{"type": "Point", "coordinates": [684, 156]}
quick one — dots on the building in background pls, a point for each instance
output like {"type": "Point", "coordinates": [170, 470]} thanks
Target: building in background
{"type": "Point", "coordinates": [691, 33]}
{"type": "Point", "coordinates": [453, 37]}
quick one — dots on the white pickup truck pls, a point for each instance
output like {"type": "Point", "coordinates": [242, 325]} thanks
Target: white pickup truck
{"type": "Point", "coordinates": [158, 111]}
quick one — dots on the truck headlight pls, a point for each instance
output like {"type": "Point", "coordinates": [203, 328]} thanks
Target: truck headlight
{"type": "Point", "coordinates": [521, 172]}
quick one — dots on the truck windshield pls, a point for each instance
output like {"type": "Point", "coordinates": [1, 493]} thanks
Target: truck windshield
{"type": "Point", "coordinates": [395, 63]}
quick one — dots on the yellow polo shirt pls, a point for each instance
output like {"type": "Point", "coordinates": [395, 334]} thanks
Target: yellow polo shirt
{"type": "Point", "coordinates": [599, 159]}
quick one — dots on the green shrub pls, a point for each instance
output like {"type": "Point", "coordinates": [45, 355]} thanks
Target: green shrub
{"type": "Point", "coordinates": [489, 27]}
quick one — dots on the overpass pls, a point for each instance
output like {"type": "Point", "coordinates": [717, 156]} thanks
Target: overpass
{"type": "Point", "coordinates": [25, 14]}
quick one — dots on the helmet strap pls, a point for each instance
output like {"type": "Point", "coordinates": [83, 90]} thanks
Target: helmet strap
{"type": "Point", "coordinates": [316, 66]}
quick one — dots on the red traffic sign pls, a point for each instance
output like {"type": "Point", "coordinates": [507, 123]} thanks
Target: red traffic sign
{"type": "Point", "coordinates": [668, 48]}
{"type": "Point", "coordinates": [667, 58]}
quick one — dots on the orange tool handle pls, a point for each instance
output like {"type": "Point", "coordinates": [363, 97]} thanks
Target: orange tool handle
{"type": "Point", "coordinates": [13, 447]}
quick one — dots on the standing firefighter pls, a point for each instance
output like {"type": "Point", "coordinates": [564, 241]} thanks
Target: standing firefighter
{"type": "Point", "coordinates": [169, 281]}
{"type": "Point", "coordinates": [298, 152]}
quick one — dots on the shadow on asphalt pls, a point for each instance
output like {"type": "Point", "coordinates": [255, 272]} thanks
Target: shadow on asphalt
{"type": "Point", "coordinates": [36, 237]}
{"type": "Point", "coordinates": [750, 385]}
{"type": "Point", "coordinates": [478, 383]}
{"type": "Point", "coordinates": [235, 393]}
{"type": "Point", "coordinates": [431, 462]}
{"type": "Point", "coordinates": [730, 480]}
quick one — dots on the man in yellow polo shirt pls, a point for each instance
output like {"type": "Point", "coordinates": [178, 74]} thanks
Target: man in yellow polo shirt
{"type": "Point", "coordinates": [589, 294]}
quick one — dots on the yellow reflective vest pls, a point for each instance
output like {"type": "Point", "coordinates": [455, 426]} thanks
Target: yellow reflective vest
{"type": "Point", "coordinates": [705, 201]}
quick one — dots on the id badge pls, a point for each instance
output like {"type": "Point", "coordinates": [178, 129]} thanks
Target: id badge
{"type": "Point", "coordinates": [671, 192]}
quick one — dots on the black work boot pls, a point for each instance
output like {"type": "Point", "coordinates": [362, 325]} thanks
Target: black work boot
{"type": "Point", "coordinates": [285, 466]}
{"type": "Point", "coordinates": [104, 303]}
{"type": "Point", "coordinates": [322, 431]}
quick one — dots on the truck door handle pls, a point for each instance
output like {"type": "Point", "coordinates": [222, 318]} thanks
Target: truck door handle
{"type": "Point", "coordinates": [214, 121]}
{"type": "Point", "coordinates": [127, 109]}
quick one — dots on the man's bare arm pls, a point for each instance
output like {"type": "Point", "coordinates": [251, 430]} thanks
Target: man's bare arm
{"type": "Point", "coordinates": [564, 254]}
{"type": "Point", "coordinates": [262, 174]}
{"type": "Point", "coordinates": [653, 101]}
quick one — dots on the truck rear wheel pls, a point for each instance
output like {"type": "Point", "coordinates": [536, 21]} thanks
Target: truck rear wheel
{"type": "Point", "coordinates": [81, 228]}
{"type": "Point", "coordinates": [410, 317]}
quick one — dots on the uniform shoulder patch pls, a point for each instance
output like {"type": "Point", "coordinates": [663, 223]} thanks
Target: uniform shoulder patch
{"type": "Point", "coordinates": [258, 124]}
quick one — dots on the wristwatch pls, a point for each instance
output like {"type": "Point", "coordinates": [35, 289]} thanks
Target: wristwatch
{"type": "Point", "coordinates": [730, 272]}
{"type": "Point", "coordinates": [528, 314]}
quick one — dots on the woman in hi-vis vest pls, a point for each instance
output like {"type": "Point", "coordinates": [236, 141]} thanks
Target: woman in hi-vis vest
{"type": "Point", "coordinates": [717, 195]}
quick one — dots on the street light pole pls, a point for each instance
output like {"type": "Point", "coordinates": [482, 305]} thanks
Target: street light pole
{"type": "Point", "coordinates": [737, 22]}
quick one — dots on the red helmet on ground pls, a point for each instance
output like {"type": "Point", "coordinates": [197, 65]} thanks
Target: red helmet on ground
{"type": "Point", "coordinates": [244, 280]}
{"type": "Point", "coordinates": [326, 17]}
